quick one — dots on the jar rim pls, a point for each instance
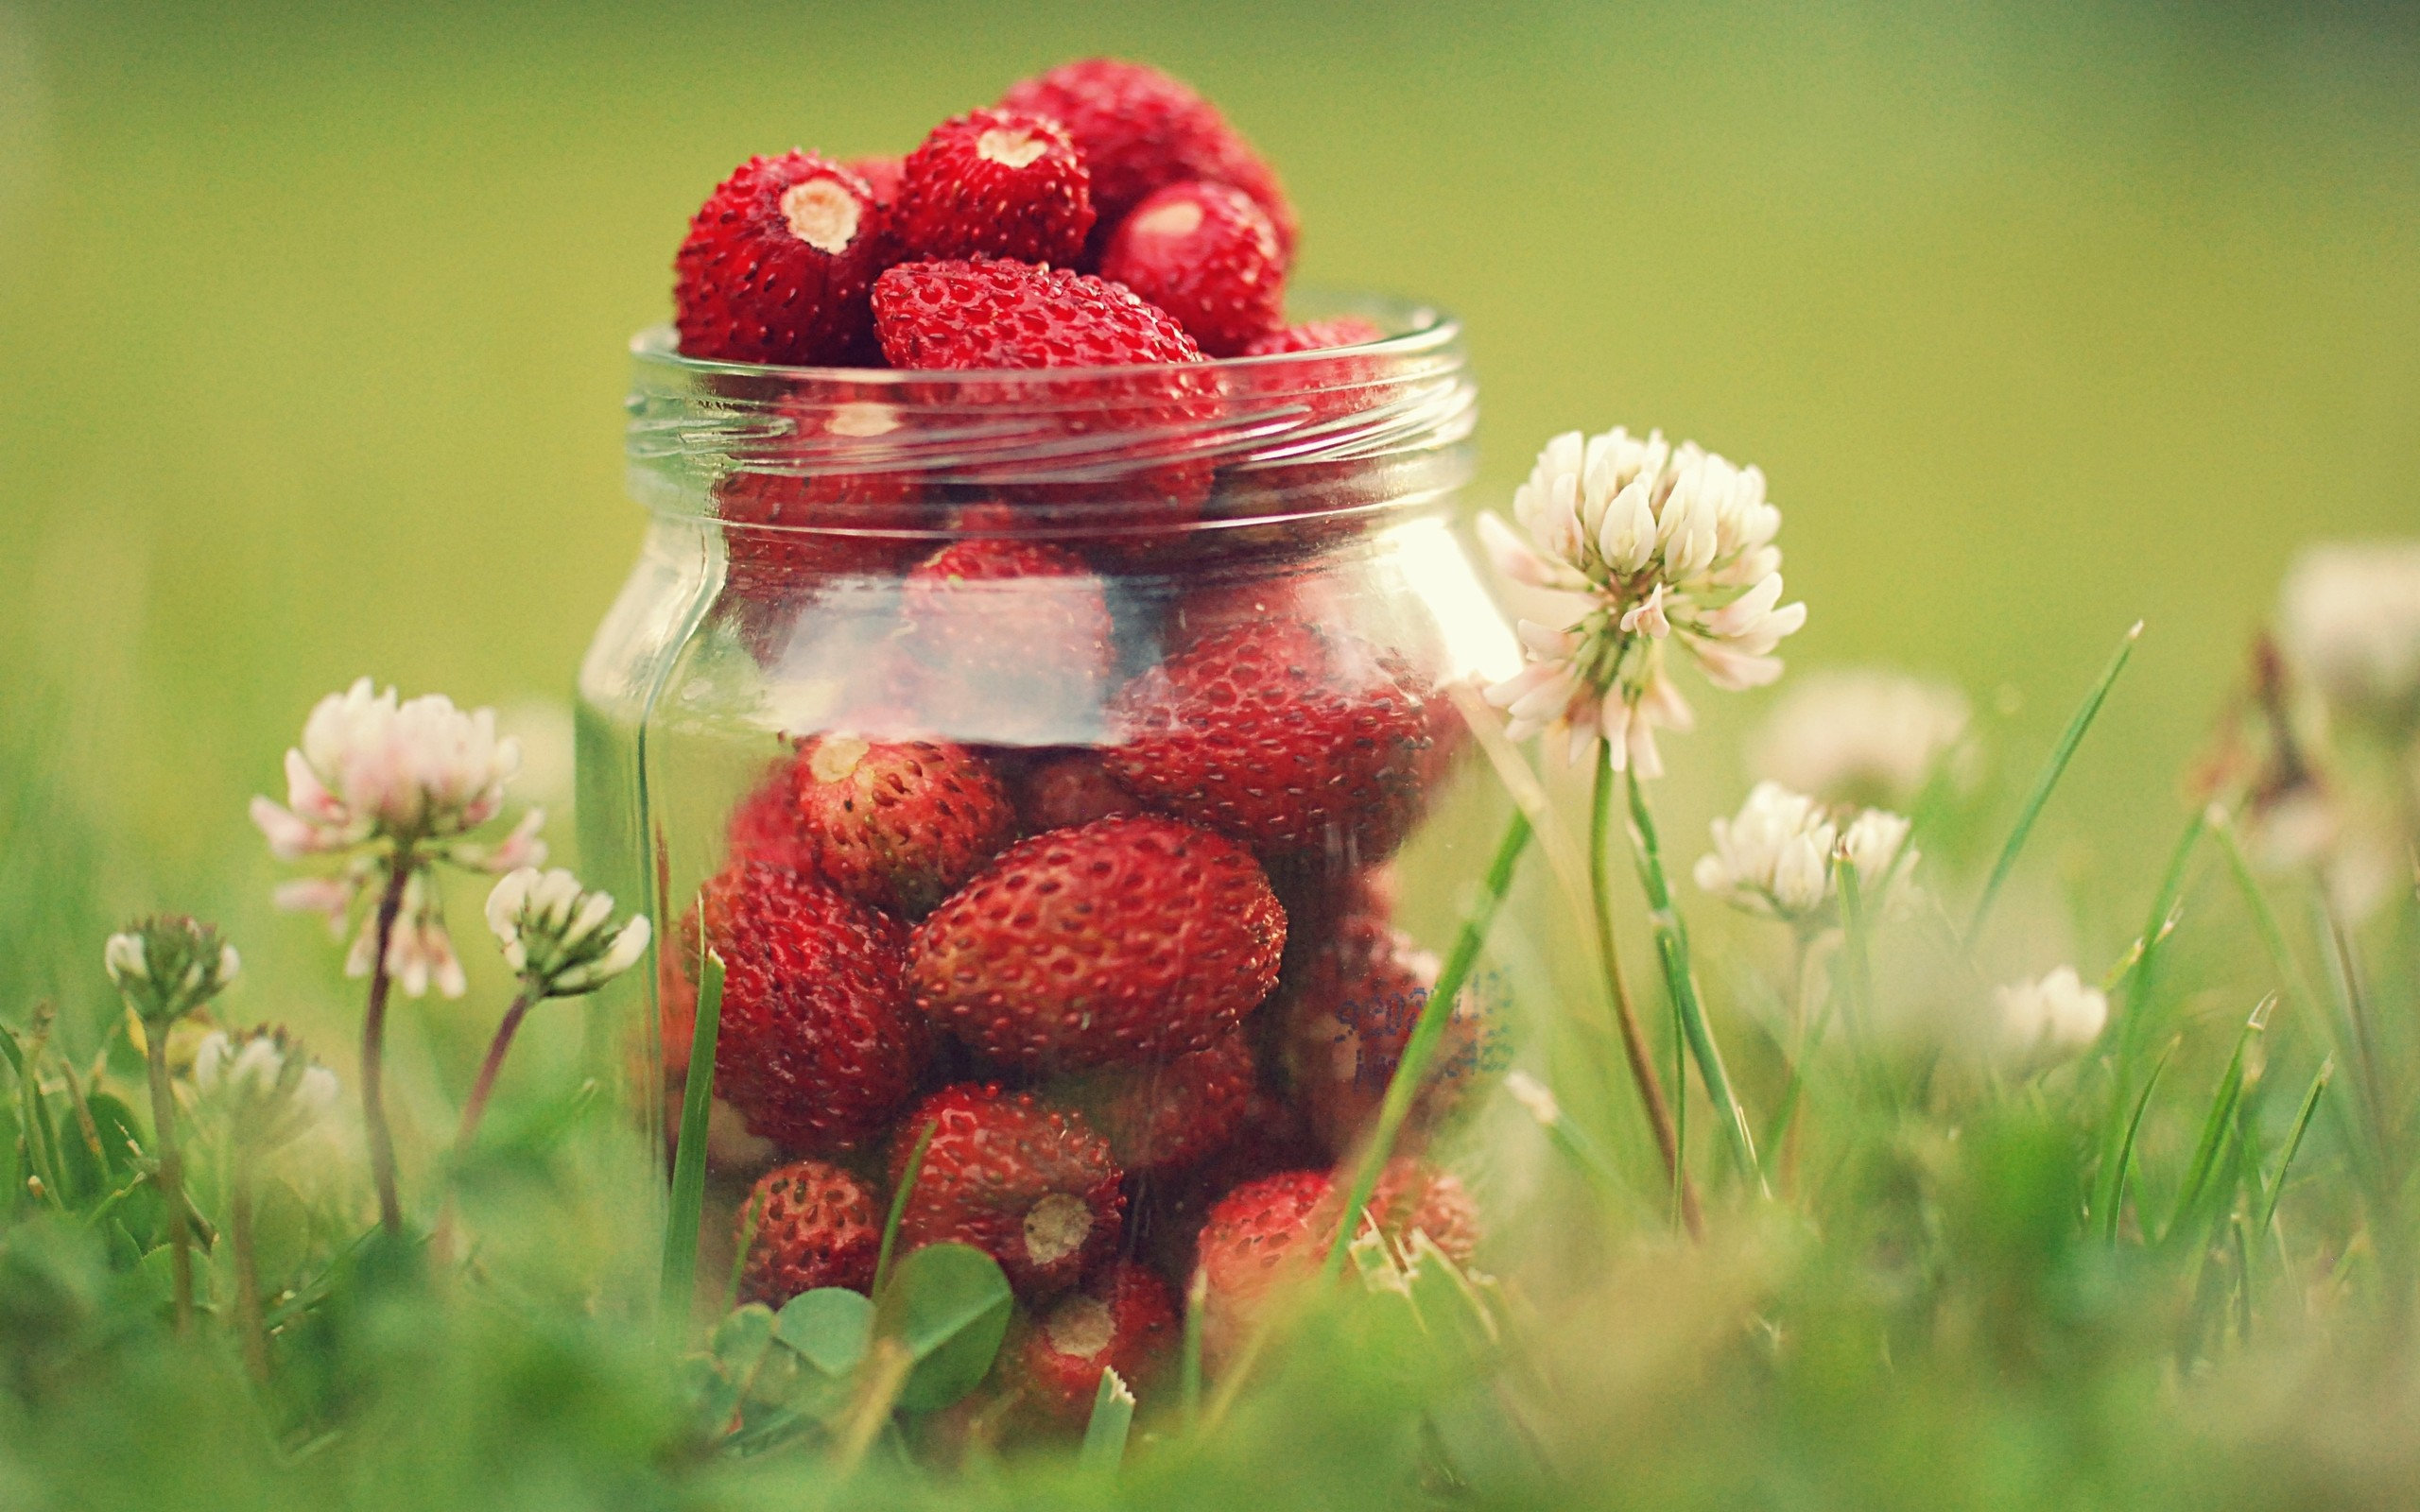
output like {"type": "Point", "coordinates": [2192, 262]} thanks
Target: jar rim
{"type": "Point", "coordinates": [1424, 329]}
{"type": "Point", "coordinates": [1323, 431]}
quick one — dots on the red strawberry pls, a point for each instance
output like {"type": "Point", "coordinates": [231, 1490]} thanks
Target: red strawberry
{"type": "Point", "coordinates": [1123, 1320]}
{"type": "Point", "coordinates": [882, 175]}
{"type": "Point", "coordinates": [896, 825]}
{"type": "Point", "coordinates": [1122, 940]}
{"type": "Point", "coordinates": [1258, 598]}
{"type": "Point", "coordinates": [819, 1046]}
{"type": "Point", "coordinates": [1206, 254]}
{"type": "Point", "coordinates": [1292, 737]}
{"type": "Point", "coordinates": [1348, 1016]}
{"type": "Point", "coordinates": [996, 183]}
{"type": "Point", "coordinates": [1014, 635]}
{"type": "Point", "coordinates": [1264, 1236]}
{"type": "Point", "coordinates": [992, 315]}
{"type": "Point", "coordinates": [1030, 1185]}
{"type": "Point", "coordinates": [1167, 1116]}
{"type": "Point", "coordinates": [1139, 130]}
{"type": "Point", "coordinates": [1316, 335]}
{"type": "Point", "coordinates": [1060, 792]}
{"type": "Point", "coordinates": [778, 263]}
{"type": "Point", "coordinates": [1415, 1197]}
{"type": "Point", "coordinates": [816, 1226]}
{"type": "Point", "coordinates": [1274, 1232]}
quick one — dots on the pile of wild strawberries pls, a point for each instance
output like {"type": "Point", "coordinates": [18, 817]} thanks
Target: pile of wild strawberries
{"type": "Point", "coordinates": [1144, 996]}
{"type": "Point", "coordinates": [1102, 199]}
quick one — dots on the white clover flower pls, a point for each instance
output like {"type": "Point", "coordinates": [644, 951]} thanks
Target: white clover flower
{"type": "Point", "coordinates": [1860, 736]}
{"type": "Point", "coordinates": [1780, 855]}
{"type": "Point", "coordinates": [1654, 545]}
{"type": "Point", "coordinates": [554, 933]}
{"type": "Point", "coordinates": [166, 967]}
{"type": "Point", "coordinates": [379, 784]}
{"type": "Point", "coordinates": [369, 768]}
{"type": "Point", "coordinates": [2054, 1016]}
{"type": "Point", "coordinates": [263, 1084]}
{"type": "Point", "coordinates": [2349, 616]}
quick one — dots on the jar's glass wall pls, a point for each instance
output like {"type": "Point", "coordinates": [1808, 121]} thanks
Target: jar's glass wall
{"type": "Point", "coordinates": [907, 662]}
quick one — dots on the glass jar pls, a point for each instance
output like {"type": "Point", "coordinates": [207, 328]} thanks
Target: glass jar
{"type": "Point", "coordinates": [1068, 761]}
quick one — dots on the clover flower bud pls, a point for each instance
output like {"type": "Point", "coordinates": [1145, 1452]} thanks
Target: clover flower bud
{"type": "Point", "coordinates": [168, 965]}
{"type": "Point", "coordinates": [2349, 616]}
{"type": "Point", "coordinates": [1860, 736]}
{"type": "Point", "coordinates": [263, 1085]}
{"type": "Point", "coordinates": [555, 932]}
{"type": "Point", "coordinates": [1780, 857]}
{"type": "Point", "coordinates": [2050, 1016]}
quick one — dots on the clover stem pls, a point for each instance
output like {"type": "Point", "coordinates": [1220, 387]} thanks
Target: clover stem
{"type": "Point", "coordinates": [248, 1327]}
{"type": "Point", "coordinates": [1634, 1047]}
{"type": "Point", "coordinates": [374, 1046]}
{"type": "Point", "coordinates": [172, 1171]}
{"type": "Point", "coordinates": [475, 1105]}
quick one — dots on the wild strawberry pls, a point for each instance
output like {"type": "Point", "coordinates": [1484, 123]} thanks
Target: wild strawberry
{"type": "Point", "coordinates": [1349, 1013]}
{"type": "Point", "coordinates": [1263, 1236]}
{"type": "Point", "coordinates": [996, 183]}
{"type": "Point", "coordinates": [1123, 1320]}
{"type": "Point", "coordinates": [991, 314]}
{"type": "Point", "coordinates": [995, 315]}
{"type": "Point", "coordinates": [1014, 637]}
{"type": "Point", "coordinates": [1061, 792]}
{"type": "Point", "coordinates": [882, 176]}
{"type": "Point", "coordinates": [1413, 1196]}
{"type": "Point", "coordinates": [778, 265]}
{"type": "Point", "coordinates": [1030, 1185]}
{"type": "Point", "coordinates": [1289, 735]}
{"type": "Point", "coordinates": [819, 1046]}
{"type": "Point", "coordinates": [895, 825]}
{"type": "Point", "coordinates": [1316, 335]}
{"type": "Point", "coordinates": [1123, 940]}
{"type": "Point", "coordinates": [1138, 130]}
{"type": "Point", "coordinates": [1206, 254]}
{"type": "Point", "coordinates": [1223, 603]}
{"type": "Point", "coordinates": [816, 1226]}
{"type": "Point", "coordinates": [1273, 1233]}
{"type": "Point", "coordinates": [1168, 1115]}
{"type": "Point", "coordinates": [1167, 1211]}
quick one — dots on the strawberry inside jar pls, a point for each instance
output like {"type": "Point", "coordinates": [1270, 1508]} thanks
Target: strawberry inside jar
{"type": "Point", "coordinates": [1046, 706]}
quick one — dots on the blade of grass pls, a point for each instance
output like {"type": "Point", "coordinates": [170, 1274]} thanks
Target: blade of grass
{"type": "Point", "coordinates": [1575, 1145]}
{"type": "Point", "coordinates": [749, 1222]}
{"type": "Point", "coordinates": [2217, 1124]}
{"type": "Point", "coordinates": [2060, 755]}
{"type": "Point", "coordinates": [679, 1298]}
{"type": "Point", "coordinates": [1680, 980]}
{"type": "Point", "coordinates": [908, 1177]}
{"type": "Point", "coordinates": [2109, 1212]}
{"type": "Point", "coordinates": [1428, 1032]}
{"type": "Point", "coordinates": [1197, 1295]}
{"type": "Point", "coordinates": [2134, 1016]}
{"type": "Point", "coordinates": [2294, 1143]}
{"type": "Point", "coordinates": [1105, 1434]}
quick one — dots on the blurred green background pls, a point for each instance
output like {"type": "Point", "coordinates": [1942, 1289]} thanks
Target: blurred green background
{"type": "Point", "coordinates": [2041, 316]}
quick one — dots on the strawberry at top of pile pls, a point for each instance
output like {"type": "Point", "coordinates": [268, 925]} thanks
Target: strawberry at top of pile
{"type": "Point", "coordinates": [1100, 214]}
